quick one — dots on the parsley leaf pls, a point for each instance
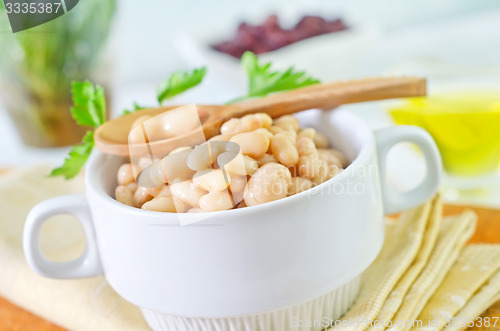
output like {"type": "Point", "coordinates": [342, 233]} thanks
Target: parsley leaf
{"type": "Point", "coordinates": [263, 81]}
{"type": "Point", "coordinates": [89, 110]}
{"type": "Point", "coordinates": [76, 158]}
{"type": "Point", "coordinates": [179, 82]}
{"type": "Point", "coordinates": [89, 104]}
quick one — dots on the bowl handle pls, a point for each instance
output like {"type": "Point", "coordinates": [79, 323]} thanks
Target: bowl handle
{"type": "Point", "coordinates": [87, 265]}
{"type": "Point", "coordinates": [388, 137]}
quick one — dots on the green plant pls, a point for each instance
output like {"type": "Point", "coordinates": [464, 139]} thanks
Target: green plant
{"type": "Point", "coordinates": [45, 59]}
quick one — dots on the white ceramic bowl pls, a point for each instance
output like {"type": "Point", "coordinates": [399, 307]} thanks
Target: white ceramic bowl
{"type": "Point", "coordinates": [256, 268]}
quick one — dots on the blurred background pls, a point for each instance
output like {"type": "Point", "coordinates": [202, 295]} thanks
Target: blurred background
{"type": "Point", "coordinates": [129, 47]}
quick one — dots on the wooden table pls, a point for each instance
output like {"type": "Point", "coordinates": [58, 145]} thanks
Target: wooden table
{"type": "Point", "coordinates": [13, 318]}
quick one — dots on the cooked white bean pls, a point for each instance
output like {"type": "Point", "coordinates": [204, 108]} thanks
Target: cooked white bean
{"type": "Point", "coordinates": [343, 159]}
{"type": "Point", "coordinates": [216, 201]}
{"type": "Point", "coordinates": [287, 122]}
{"type": "Point", "coordinates": [231, 127]}
{"type": "Point", "coordinates": [320, 140]}
{"type": "Point", "coordinates": [265, 120]}
{"type": "Point", "coordinates": [204, 156]}
{"type": "Point", "coordinates": [266, 158]}
{"type": "Point", "coordinates": [153, 191]}
{"type": "Point", "coordinates": [133, 186]}
{"type": "Point", "coordinates": [250, 122]}
{"type": "Point", "coordinates": [253, 144]}
{"type": "Point", "coordinates": [241, 165]}
{"type": "Point", "coordinates": [164, 192]}
{"type": "Point", "coordinates": [219, 138]}
{"type": "Point", "coordinates": [299, 184]}
{"type": "Point", "coordinates": [125, 174]}
{"type": "Point", "coordinates": [270, 182]}
{"type": "Point", "coordinates": [124, 195]}
{"type": "Point", "coordinates": [312, 167]}
{"type": "Point", "coordinates": [162, 203]}
{"type": "Point", "coordinates": [180, 149]}
{"type": "Point", "coordinates": [276, 129]}
{"type": "Point", "coordinates": [176, 122]}
{"type": "Point", "coordinates": [291, 135]}
{"type": "Point", "coordinates": [211, 180]}
{"type": "Point", "coordinates": [307, 132]}
{"type": "Point", "coordinates": [141, 196]}
{"type": "Point", "coordinates": [329, 156]}
{"type": "Point", "coordinates": [187, 192]}
{"type": "Point", "coordinates": [238, 184]}
{"type": "Point", "coordinates": [284, 150]}
{"type": "Point", "coordinates": [265, 132]}
{"type": "Point", "coordinates": [306, 147]}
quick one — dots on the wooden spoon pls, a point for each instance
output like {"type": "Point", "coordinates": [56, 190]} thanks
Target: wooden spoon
{"type": "Point", "coordinates": [112, 136]}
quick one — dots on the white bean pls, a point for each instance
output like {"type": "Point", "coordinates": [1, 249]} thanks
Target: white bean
{"type": "Point", "coordinates": [162, 203]}
{"type": "Point", "coordinates": [266, 158]}
{"type": "Point", "coordinates": [216, 201]}
{"type": "Point", "coordinates": [253, 144]}
{"type": "Point", "coordinates": [265, 120]}
{"type": "Point", "coordinates": [204, 156]}
{"type": "Point", "coordinates": [187, 192]}
{"type": "Point", "coordinates": [124, 195]}
{"type": "Point", "coordinates": [287, 122]}
{"type": "Point", "coordinates": [306, 147]}
{"type": "Point", "coordinates": [231, 127]}
{"type": "Point", "coordinates": [125, 174]}
{"type": "Point", "coordinates": [312, 167]}
{"type": "Point", "coordinates": [180, 149]}
{"type": "Point", "coordinates": [329, 156]}
{"type": "Point", "coordinates": [241, 165]}
{"type": "Point", "coordinates": [238, 184]}
{"type": "Point", "coordinates": [211, 180]}
{"type": "Point", "coordinates": [178, 121]}
{"type": "Point", "coordinates": [284, 150]}
{"type": "Point", "coordinates": [270, 182]}
{"type": "Point", "coordinates": [218, 138]}
{"type": "Point", "coordinates": [299, 184]}
{"type": "Point", "coordinates": [141, 196]}
{"type": "Point", "coordinates": [320, 140]}
{"type": "Point", "coordinates": [307, 132]}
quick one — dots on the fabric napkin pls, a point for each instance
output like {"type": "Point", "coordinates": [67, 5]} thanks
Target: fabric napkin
{"type": "Point", "coordinates": [398, 293]}
{"type": "Point", "coordinates": [82, 304]}
{"type": "Point", "coordinates": [484, 298]}
{"type": "Point", "coordinates": [420, 249]}
{"type": "Point", "coordinates": [474, 267]}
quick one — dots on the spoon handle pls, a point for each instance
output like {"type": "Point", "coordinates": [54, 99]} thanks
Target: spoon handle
{"type": "Point", "coordinates": [331, 95]}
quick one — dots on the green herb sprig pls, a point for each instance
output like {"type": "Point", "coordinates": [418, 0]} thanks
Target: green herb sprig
{"type": "Point", "coordinates": [179, 82]}
{"type": "Point", "coordinates": [262, 80]}
{"type": "Point", "coordinates": [90, 110]}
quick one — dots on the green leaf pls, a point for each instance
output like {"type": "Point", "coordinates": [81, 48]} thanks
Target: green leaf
{"type": "Point", "coordinates": [135, 108]}
{"type": "Point", "coordinates": [179, 82]}
{"type": "Point", "coordinates": [76, 158]}
{"type": "Point", "coordinates": [263, 81]}
{"type": "Point", "coordinates": [89, 104]}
